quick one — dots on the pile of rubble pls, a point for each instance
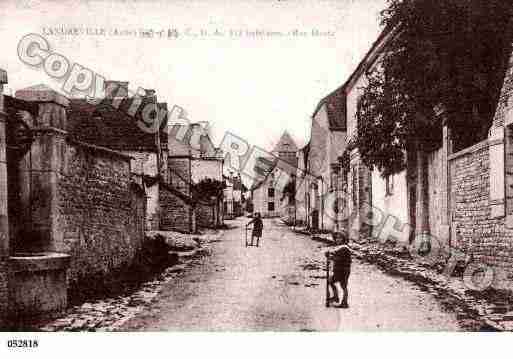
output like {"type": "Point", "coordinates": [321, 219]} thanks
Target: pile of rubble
{"type": "Point", "coordinates": [179, 244]}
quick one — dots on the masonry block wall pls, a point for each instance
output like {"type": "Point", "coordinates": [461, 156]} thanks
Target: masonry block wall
{"type": "Point", "coordinates": [481, 180]}
{"type": "Point", "coordinates": [176, 213]}
{"type": "Point", "coordinates": [205, 215]}
{"type": "Point", "coordinates": [474, 230]}
{"type": "Point", "coordinates": [99, 216]}
{"type": "Point", "coordinates": [180, 173]}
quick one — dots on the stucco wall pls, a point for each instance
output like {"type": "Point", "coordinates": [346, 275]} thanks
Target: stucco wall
{"type": "Point", "coordinates": [145, 163]}
{"type": "Point", "coordinates": [261, 199]}
{"type": "Point", "coordinates": [352, 102]}
{"type": "Point", "coordinates": [319, 144]}
{"type": "Point", "coordinates": [395, 203]}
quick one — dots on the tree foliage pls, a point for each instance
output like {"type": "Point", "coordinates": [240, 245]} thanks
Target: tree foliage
{"type": "Point", "coordinates": [449, 53]}
{"type": "Point", "coordinates": [206, 189]}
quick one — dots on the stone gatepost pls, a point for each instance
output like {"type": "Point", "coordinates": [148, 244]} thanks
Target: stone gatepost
{"type": "Point", "coordinates": [47, 157]}
{"type": "Point", "coordinates": [4, 221]}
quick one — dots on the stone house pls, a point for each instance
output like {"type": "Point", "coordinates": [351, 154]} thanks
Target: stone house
{"type": "Point", "coordinates": [327, 143]}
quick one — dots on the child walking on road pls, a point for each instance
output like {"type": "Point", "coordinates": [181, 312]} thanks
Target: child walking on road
{"type": "Point", "coordinates": [341, 256]}
{"type": "Point", "coordinates": [258, 225]}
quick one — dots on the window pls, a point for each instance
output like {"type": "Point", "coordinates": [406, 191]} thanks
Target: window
{"type": "Point", "coordinates": [270, 206]}
{"type": "Point", "coordinates": [270, 192]}
{"type": "Point", "coordinates": [389, 185]}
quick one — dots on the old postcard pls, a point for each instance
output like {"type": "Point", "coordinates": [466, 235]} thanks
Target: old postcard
{"type": "Point", "coordinates": [255, 166]}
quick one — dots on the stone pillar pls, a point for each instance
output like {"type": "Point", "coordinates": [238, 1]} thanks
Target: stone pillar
{"type": "Point", "coordinates": [4, 219]}
{"type": "Point", "coordinates": [48, 159]}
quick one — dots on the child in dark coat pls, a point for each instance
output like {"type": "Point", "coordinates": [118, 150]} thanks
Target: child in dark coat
{"type": "Point", "coordinates": [258, 225]}
{"type": "Point", "coordinates": [341, 256]}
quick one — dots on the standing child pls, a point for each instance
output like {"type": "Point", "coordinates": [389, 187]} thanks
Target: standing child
{"type": "Point", "coordinates": [341, 256]}
{"type": "Point", "coordinates": [258, 225]}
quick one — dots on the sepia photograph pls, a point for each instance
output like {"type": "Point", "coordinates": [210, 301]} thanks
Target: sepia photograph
{"type": "Point", "coordinates": [254, 166]}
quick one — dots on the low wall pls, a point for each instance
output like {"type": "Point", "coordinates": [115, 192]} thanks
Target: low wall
{"type": "Point", "coordinates": [99, 212]}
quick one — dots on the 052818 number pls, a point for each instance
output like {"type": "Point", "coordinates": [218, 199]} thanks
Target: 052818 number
{"type": "Point", "coordinates": [22, 343]}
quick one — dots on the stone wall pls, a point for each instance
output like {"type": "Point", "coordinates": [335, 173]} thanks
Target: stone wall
{"type": "Point", "coordinates": [176, 211]}
{"type": "Point", "coordinates": [99, 212]}
{"type": "Point", "coordinates": [180, 173]}
{"type": "Point", "coordinates": [205, 215]}
{"type": "Point", "coordinates": [473, 228]}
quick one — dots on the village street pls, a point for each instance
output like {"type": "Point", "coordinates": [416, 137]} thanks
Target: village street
{"type": "Point", "coordinates": [281, 286]}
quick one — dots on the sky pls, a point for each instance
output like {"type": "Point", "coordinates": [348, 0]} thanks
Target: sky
{"type": "Point", "coordinates": [253, 68]}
